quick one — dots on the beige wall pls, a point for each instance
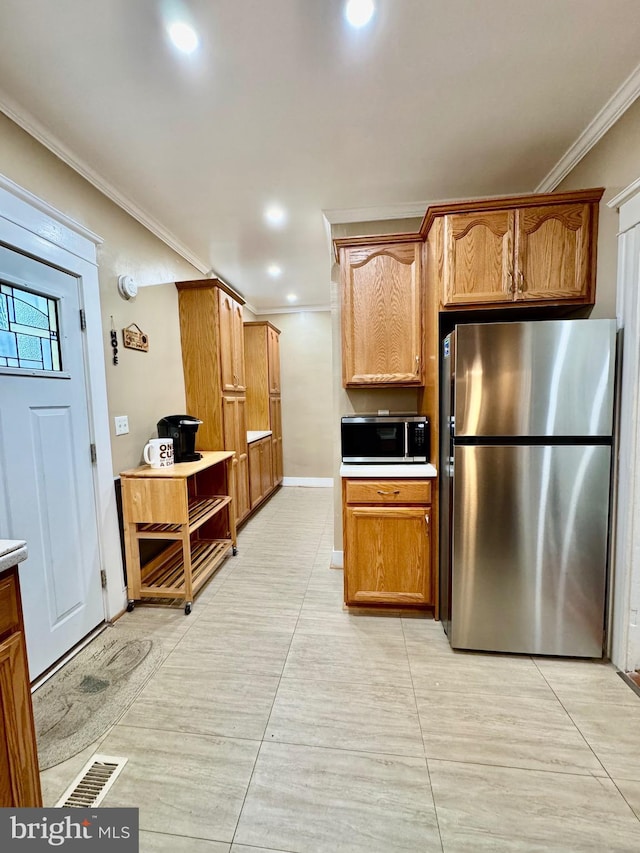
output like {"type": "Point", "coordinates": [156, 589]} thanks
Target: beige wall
{"type": "Point", "coordinates": [613, 163]}
{"type": "Point", "coordinates": [144, 386]}
{"type": "Point", "coordinates": [306, 377]}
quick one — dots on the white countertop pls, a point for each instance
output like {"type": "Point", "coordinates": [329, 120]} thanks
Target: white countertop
{"type": "Point", "coordinates": [12, 552]}
{"type": "Point", "coordinates": [400, 471]}
{"type": "Point", "coordinates": [257, 434]}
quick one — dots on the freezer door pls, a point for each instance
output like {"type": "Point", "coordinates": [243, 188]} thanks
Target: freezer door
{"type": "Point", "coordinates": [529, 550]}
{"type": "Point", "coordinates": [543, 378]}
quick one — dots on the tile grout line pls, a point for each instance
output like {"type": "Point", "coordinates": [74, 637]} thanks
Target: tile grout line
{"type": "Point", "coordinates": [275, 695]}
{"type": "Point", "coordinates": [424, 750]}
{"type": "Point", "coordinates": [568, 713]}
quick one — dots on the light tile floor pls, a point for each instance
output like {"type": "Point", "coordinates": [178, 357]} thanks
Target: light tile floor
{"type": "Point", "coordinates": [280, 722]}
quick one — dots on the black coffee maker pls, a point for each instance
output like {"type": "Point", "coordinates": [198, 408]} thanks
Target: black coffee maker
{"type": "Point", "coordinates": [182, 429]}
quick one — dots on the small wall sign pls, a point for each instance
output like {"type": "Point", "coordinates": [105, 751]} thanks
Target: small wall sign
{"type": "Point", "coordinates": [134, 338]}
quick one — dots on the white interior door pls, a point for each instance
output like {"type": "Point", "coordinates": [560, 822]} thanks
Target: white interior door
{"type": "Point", "coordinates": [45, 456]}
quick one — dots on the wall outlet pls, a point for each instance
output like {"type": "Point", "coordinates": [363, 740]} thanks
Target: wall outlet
{"type": "Point", "coordinates": [122, 425]}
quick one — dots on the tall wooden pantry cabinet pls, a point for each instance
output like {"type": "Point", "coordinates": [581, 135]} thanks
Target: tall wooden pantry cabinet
{"type": "Point", "coordinates": [212, 333]}
{"type": "Point", "coordinates": [264, 412]}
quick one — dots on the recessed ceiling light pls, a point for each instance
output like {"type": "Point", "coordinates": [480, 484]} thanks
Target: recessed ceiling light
{"type": "Point", "coordinates": [275, 215]}
{"type": "Point", "coordinates": [274, 270]}
{"type": "Point", "coordinates": [291, 297]}
{"type": "Point", "coordinates": [359, 12]}
{"type": "Point", "coordinates": [183, 36]}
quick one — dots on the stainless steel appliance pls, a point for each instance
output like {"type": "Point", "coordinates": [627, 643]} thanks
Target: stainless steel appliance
{"type": "Point", "coordinates": [525, 464]}
{"type": "Point", "coordinates": [385, 438]}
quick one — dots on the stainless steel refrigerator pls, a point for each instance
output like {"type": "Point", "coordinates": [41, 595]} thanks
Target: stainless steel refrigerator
{"type": "Point", "coordinates": [525, 465]}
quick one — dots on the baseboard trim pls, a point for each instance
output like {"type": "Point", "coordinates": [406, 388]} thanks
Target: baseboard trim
{"type": "Point", "coordinates": [314, 482]}
{"type": "Point", "coordinates": [337, 559]}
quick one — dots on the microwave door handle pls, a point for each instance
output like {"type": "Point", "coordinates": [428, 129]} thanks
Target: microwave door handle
{"type": "Point", "coordinates": [406, 439]}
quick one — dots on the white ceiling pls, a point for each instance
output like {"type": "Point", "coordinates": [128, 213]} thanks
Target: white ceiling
{"type": "Point", "coordinates": [283, 102]}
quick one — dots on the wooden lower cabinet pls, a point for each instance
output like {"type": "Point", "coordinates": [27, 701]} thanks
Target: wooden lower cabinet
{"type": "Point", "coordinates": [235, 438]}
{"type": "Point", "coordinates": [261, 480]}
{"type": "Point", "coordinates": [19, 773]}
{"type": "Point", "coordinates": [275, 408]}
{"type": "Point", "coordinates": [387, 543]}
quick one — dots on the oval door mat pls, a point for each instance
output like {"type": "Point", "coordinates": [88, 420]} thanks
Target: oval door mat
{"type": "Point", "coordinates": [91, 692]}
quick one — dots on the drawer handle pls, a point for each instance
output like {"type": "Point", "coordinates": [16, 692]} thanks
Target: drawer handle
{"type": "Point", "coordinates": [395, 492]}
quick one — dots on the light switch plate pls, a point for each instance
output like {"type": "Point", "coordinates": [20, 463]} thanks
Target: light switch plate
{"type": "Point", "coordinates": [122, 424]}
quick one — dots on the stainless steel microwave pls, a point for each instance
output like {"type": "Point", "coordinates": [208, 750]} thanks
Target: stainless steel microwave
{"type": "Point", "coordinates": [385, 438]}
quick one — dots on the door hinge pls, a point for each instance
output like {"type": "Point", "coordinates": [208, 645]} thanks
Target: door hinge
{"type": "Point", "coordinates": [83, 320]}
{"type": "Point", "coordinates": [94, 453]}
{"type": "Point", "coordinates": [103, 578]}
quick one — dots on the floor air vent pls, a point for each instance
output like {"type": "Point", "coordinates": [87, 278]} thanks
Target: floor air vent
{"type": "Point", "coordinates": [90, 786]}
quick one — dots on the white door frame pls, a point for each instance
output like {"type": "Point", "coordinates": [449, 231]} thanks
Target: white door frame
{"type": "Point", "coordinates": [625, 592]}
{"type": "Point", "coordinates": [31, 225]}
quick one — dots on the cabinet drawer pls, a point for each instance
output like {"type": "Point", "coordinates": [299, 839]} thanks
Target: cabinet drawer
{"type": "Point", "coordinates": [388, 491]}
{"type": "Point", "coordinates": [9, 613]}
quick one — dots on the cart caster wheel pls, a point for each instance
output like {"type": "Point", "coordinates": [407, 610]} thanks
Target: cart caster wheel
{"type": "Point", "coordinates": [187, 608]}
{"type": "Point", "coordinates": [130, 606]}
{"type": "Point", "coordinates": [234, 551]}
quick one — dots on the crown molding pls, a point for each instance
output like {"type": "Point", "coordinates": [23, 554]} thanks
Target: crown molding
{"type": "Point", "coordinates": [288, 309]}
{"type": "Point", "coordinates": [48, 210]}
{"type": "Point", "coordinates": [408, 210]}
{"type": "Point", "coordinates": [625, 195]}
{"type": "Point", "coordinates": [620, 101]}
{"type": "Point", "coordinates": [39, 132]}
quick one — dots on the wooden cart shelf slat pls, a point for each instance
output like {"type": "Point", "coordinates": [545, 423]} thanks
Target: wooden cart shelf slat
{"type": "Point", "coordinates": [200, 510]}
{"type": "Point", "coordinates": [167, 578]}
{"type": "Point", "coordinates": [174, 504]}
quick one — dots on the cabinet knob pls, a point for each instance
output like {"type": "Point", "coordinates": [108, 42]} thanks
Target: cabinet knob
{"type": "Point", "coordinates": [395, 492]}
{"type": "Point", "coordinates": [427, 520]}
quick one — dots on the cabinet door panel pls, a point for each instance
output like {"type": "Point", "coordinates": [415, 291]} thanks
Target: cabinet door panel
{"type": "Point", "coordinates": [387, 555]}
{"type": "Point", "coordinates": [227, 341]}
{"type": "Point", "coordinates": [235, 438]}
{"type": "Point", "coordinates": [382, 316]}
{"type": "Point", "coordinates": [20, 782]}
{"type": "Point", "coordinates": [255, 478]}
{"type": "Point", "coordinates": [266, 466]}
{"type": "Point", "coordinates": [478, 257]}
{"type": "Point", "coordinates": [553, 252]}
{"type": "Point", "coordinates": [274, 361]}
{"type": "Point", "coordinates": [276, 438]}
{"type": "Point", "coordinates": [238, 348]}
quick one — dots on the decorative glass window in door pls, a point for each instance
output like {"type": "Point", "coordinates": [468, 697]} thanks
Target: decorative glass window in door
{"type": "Point", "coordinates": [28, 330]}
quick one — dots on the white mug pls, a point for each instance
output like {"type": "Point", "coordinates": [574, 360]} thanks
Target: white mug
{"type": "Point", "coordinates": [159, 452]}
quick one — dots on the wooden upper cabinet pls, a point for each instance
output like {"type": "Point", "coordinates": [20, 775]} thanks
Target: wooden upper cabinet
{"type": "Point", "coordinates": [382, 306]}
{"type": "Point", "coordinates": [273, 348]}
{"type": "Point", "coordinates": [552, 257]}
{"type": "Point", "coordinates": [530, 249]}
{"type": "Point", "coordinates": [231, 343]}
{"type": "Point", "coordinates": [478, 257]}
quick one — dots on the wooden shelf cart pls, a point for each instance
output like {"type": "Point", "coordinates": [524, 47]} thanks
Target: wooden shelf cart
{"type": "Point", "coordinates": [186, 508]}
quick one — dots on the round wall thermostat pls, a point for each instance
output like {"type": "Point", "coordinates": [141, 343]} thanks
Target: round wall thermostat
{"type": "Point", "coordinates": [127, 287]}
